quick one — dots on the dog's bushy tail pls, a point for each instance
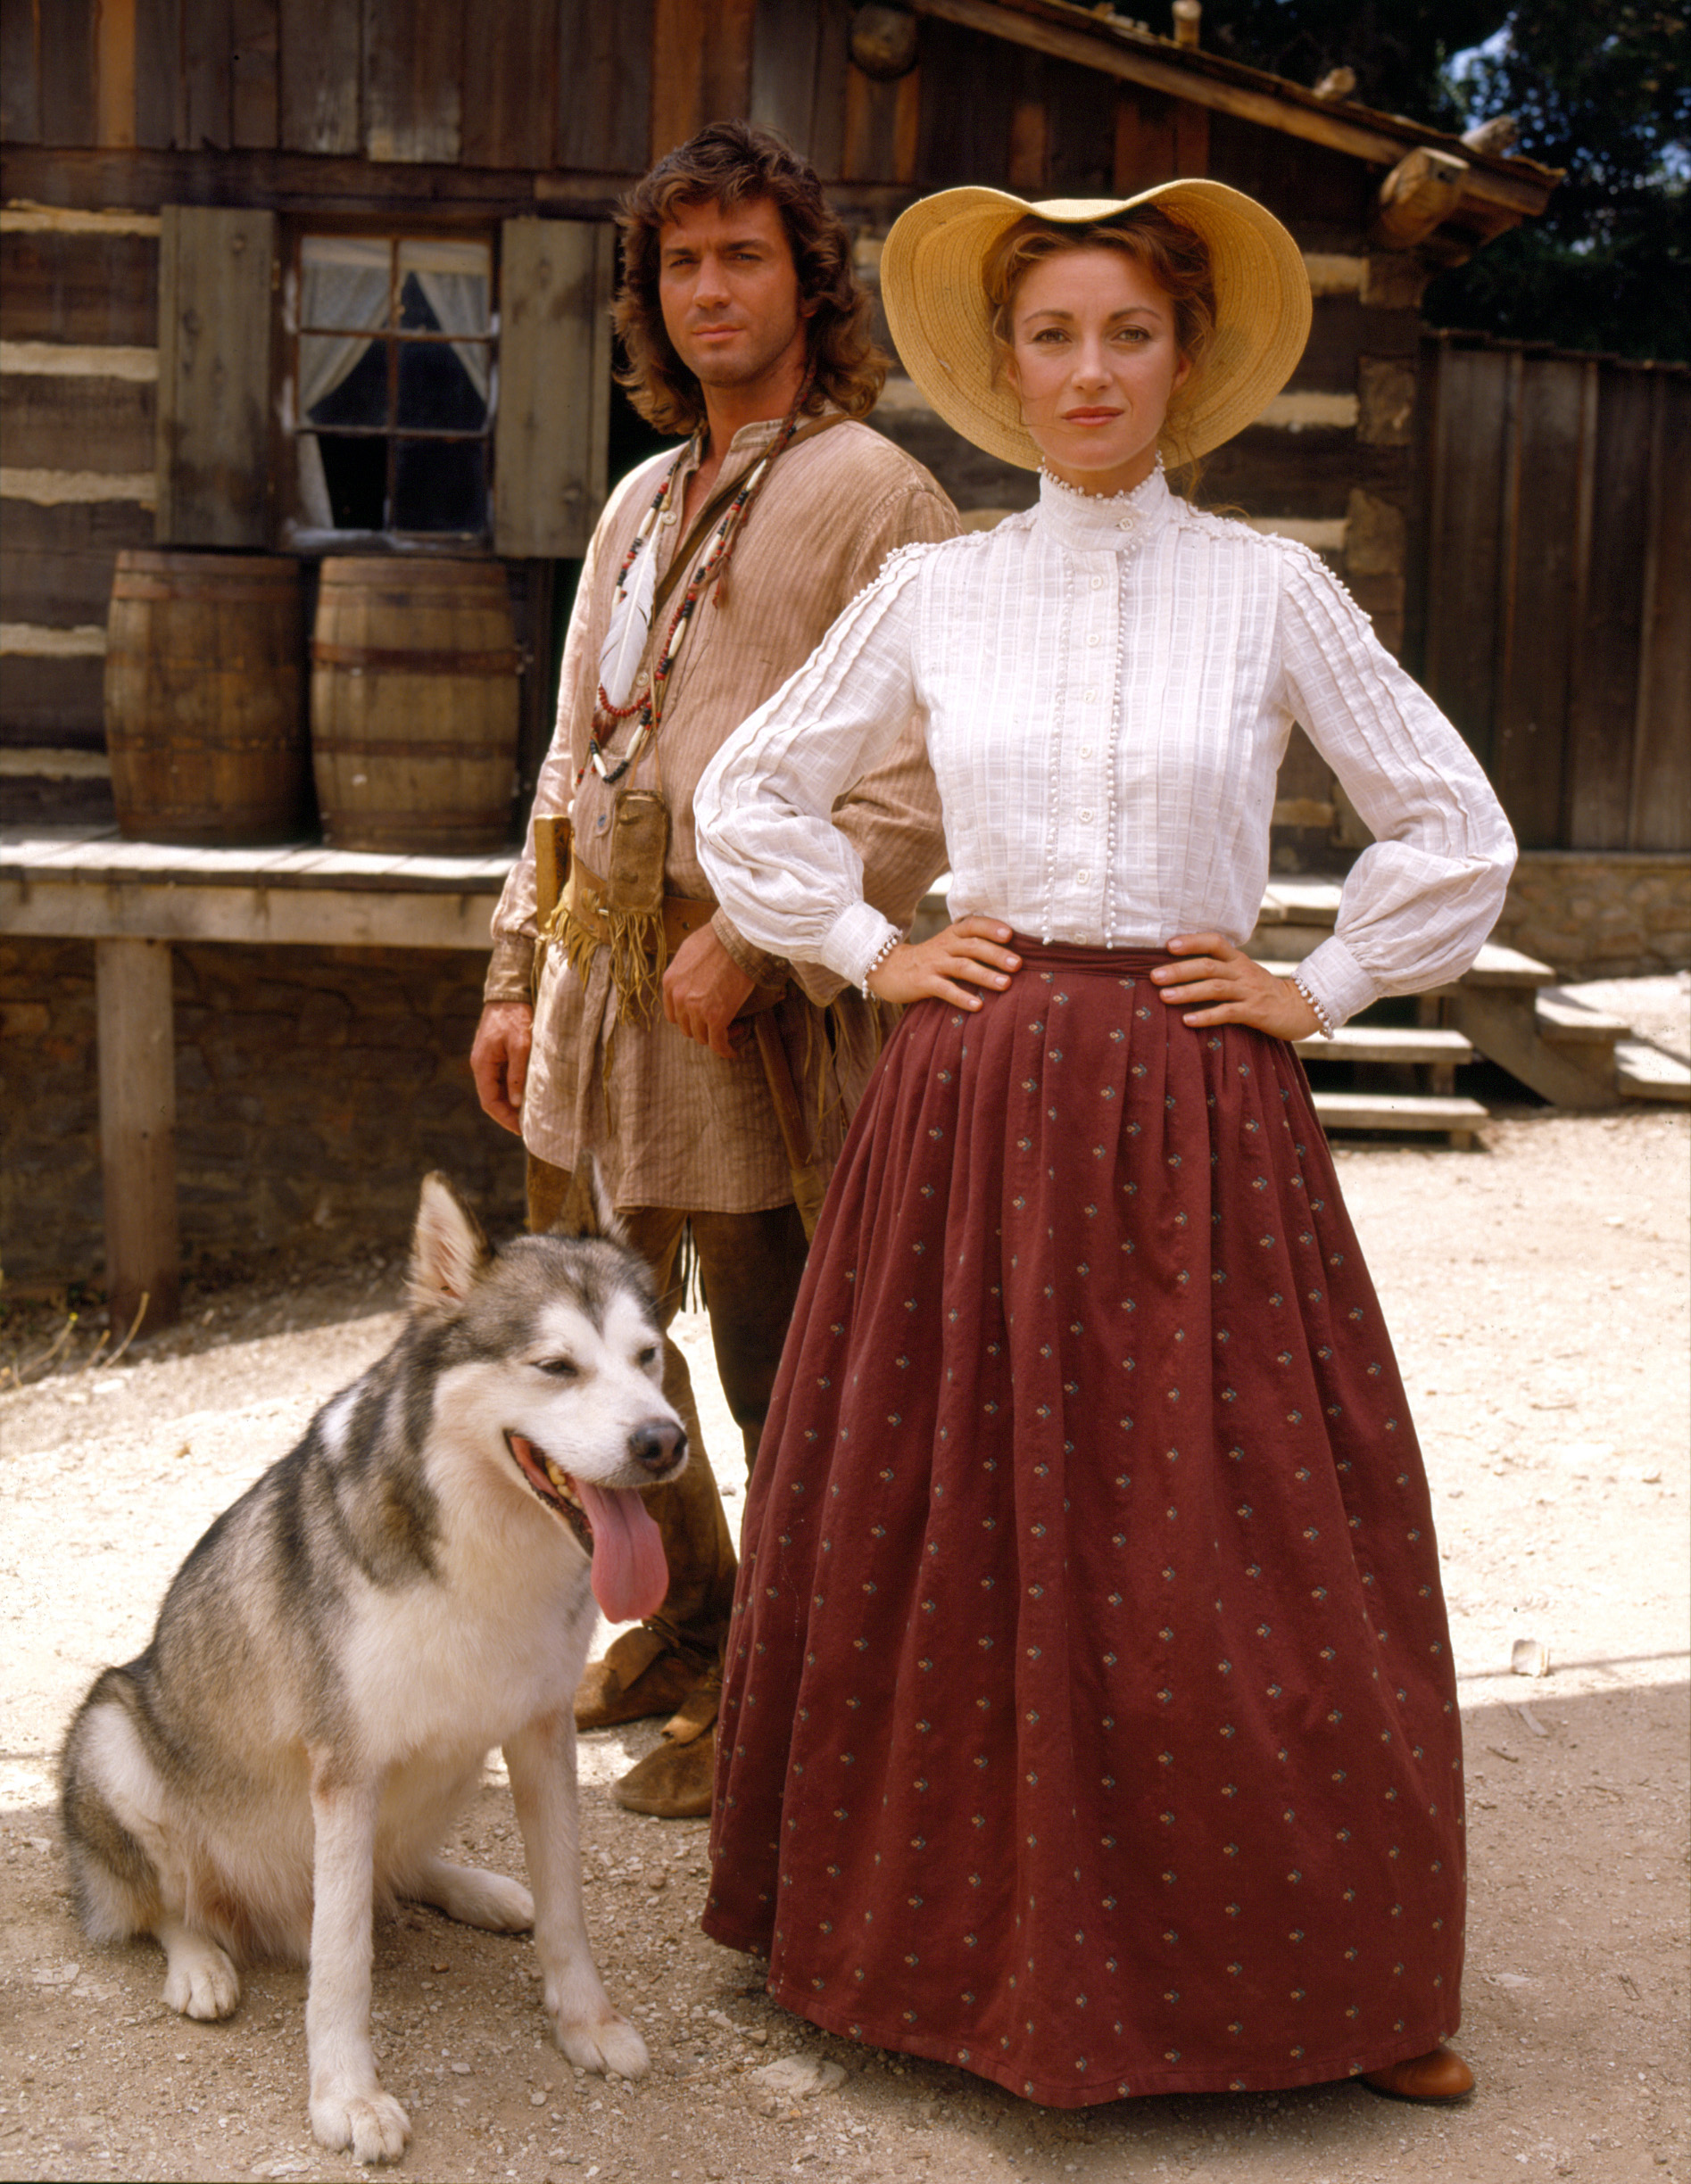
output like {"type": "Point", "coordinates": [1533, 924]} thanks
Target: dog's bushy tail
{"type": "Point", "coordinates": [114, 1885]}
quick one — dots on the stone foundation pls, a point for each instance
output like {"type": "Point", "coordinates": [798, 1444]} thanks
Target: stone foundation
{"type": "Point", "coordinates": [1601, 912]}
{"type": "Point", "coordinates": [315, 1087]}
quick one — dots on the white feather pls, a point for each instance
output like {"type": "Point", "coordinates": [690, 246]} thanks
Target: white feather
{"type": "Point", "coordinates": [624, 644]}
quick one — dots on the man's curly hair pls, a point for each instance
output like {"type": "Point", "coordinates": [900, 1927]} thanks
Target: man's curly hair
{"type": "Point", "coordinates": [730, 163]}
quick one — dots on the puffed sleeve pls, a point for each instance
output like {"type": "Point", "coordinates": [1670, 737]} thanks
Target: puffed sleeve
{"type": "Point", "coordinates": [1420, 901]}
{"type": "Point", "coordinates": [790, 879]}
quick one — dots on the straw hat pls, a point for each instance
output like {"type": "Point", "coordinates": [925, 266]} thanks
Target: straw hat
{"type": "Point", "coordinates": [931, 283]}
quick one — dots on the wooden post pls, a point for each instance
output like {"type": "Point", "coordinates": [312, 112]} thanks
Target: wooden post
{"type": "Point", "coordinates": [138, 1130]}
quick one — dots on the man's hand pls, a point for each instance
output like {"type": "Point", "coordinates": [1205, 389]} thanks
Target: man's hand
{"type": "Point", "coordinates": [498, 1060]}
{"type": "Point", "coordinates": [704, 990]}
{"type": "Point", "coordinates": [1231, 988]}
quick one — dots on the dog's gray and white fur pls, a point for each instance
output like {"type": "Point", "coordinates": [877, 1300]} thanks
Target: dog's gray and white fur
{"type": "Point", "coordinates": [337, 1656]}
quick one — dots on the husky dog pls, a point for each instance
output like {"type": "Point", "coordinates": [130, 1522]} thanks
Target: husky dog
{"type": "Point", "coordinates": [412, 1584]}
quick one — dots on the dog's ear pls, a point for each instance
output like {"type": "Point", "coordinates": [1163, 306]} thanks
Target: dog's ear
{"type": "Point", "coordinates": [587, 1209]}
{"type": "Point", "coordinates": [448, 1249]}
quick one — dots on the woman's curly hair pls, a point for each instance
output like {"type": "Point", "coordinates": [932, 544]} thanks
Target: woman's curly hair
{"type": "Point", "coordinates": [728, 164]}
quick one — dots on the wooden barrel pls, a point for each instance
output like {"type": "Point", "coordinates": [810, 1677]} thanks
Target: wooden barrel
{"type": "Point", "coordinates": [205, 698]}
{"type": "Point", "coordinates": [414, 705]}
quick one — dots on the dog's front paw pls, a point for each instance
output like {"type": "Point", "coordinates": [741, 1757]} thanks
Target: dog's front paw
{"type": "Point", "coordinates": [372, 2123]}
{"type": "Point", "coordinates": [199, 1980]}
{"type": "Point", "coordinates": [604, 2043]}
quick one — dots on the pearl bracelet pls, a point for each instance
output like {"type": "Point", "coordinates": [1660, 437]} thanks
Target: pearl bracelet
{"type": "Point", "coordinates": [875, 961]}
{"type": "Point", "coordinates": [1323, 1021]}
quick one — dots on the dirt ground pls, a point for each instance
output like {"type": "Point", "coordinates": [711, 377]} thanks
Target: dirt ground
{"type": "Point", "coordinates": [1538, 1291]}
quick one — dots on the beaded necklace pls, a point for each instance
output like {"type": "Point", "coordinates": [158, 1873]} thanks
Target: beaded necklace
{"type": "Point", "coordinates": [646, 705]}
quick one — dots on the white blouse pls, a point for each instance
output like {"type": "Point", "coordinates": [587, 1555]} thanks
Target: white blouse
{"type": "Point", "coordinates": [1107, 687]}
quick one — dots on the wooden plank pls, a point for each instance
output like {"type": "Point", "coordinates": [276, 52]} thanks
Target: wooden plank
{"type": "Point", "coordinates": [214, 377]}
{"type": "Point", "coordinates": [1570, 1024]}
{"type": "Point", "coordinates": [786, 40]}
{"type": "Point", "coordinates": [510, 62]}
{"type": "Point", "coordinates": [1191, 139]}
{"type": "Point", "coordinates": [1389, 1042]}
{"type": "Point", "coordinates": [66, 48]}
{"type": "Point", "coordinates": [966, 113]}
{"type": "Point", "coordinates": [114, 73]}
{"type": "Point", "coordinates": [1645, 1073]}
{"type": "Point", "coordinates": [1659, 805]}
{"type": "Point", "coordinates": [883, 127]}
{"type": "Point", "coordinates": [96, 289]}
{"type": "Point", "coordinates": [207, 50]}
{"type": "Point", "coordinates": [1144, 153]}
{"type": "Point", "coordinates": [1407, 1111]}
{"type": "Point", "coordinates": [20, 72]}
{"type": "Point", "coordinates": [413, 77]}
{"type": "Point", "coordinates": [1463, 546]}
{"type": "Point", "coordinates": [604, 87]}
{"type": "Point", "coordinates": [1602, 712]}
{"type": "Point", "coordinates": [55, 563]}
{"type": "Point", "coordinates": [255, 70]}
{"type": "Point", "coordinates": [833, 65]}
{"type": "Point", "coordinates": [321, 72]}
{"type": "Point", "coordinates": [1080, 129]}
{"type": "Point", "coordinates": [1538, 608]}
{"type": "Point", "coordinates": [306, 917]}
{"type": "Point", "coordinates": [1502, 1025]}
{"type": "Point", "coordinates": [161, 86]}
{"type": "Point", "coordinates": [554, 408]}
{"type": "Point", "coordinates": [701, 63]}
{"type": "Point", "coordinates": [291, 182]}
{"type": "Point", "coordinates": [77, 424]}
{"type": "Point", "coordinates": [138, 1130]}
{"type": "Point", "coordinates": [52, 702]}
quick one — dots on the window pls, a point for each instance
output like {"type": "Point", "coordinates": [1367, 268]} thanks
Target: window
{"type": "Point", "coordinates": [394, 385]}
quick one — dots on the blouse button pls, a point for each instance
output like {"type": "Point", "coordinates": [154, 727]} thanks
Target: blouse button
{"type": "Point", "coordinates": [1088, 695]}
{"type": "Point", "coordinates": [1083, 877]}
{"type": "Point", "coordinates": [1094, 638]}
{"type": "Point", "coordinates": [1086, 748]}
{"type": "Point", "coordinates": [1086, 817]}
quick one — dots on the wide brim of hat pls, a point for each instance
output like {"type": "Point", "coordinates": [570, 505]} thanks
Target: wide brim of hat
{"type": "Point", "coordinates": [931, 285]}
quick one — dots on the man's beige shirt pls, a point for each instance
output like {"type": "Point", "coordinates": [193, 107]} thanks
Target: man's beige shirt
{"type": "Point", "coordinates": [670, 1122]}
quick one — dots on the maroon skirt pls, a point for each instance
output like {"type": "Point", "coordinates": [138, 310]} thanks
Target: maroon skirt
{"type": "Point", "coordinates": [1090, 1718]}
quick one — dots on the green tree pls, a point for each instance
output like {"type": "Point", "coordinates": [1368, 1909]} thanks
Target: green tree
{"type": "Point", "coordinates": [1601, 88]}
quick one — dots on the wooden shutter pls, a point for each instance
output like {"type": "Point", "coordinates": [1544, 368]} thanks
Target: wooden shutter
{"type": "Point", "coordinates": [215, 320]}
{"type": "Point", "coordinates": [555, 386]}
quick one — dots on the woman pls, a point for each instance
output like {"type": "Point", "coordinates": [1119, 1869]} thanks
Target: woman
{"type": "Point", "coordinates": [1091, 1719]}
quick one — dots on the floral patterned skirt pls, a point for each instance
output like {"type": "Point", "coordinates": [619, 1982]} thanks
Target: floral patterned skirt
{"type": "Point", "coordinates": [1090, 1718]}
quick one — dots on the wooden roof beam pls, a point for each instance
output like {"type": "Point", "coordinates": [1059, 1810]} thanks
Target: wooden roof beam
{"type": "Point", "coordinates": [1226, 87]}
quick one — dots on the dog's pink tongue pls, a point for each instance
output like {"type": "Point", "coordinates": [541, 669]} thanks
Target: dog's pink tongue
{"type": "Point", "coordinates": [630, 1574]}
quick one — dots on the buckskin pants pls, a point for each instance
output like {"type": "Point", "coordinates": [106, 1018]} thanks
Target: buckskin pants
{"type": "Point", "coordinates": [749, 1266]}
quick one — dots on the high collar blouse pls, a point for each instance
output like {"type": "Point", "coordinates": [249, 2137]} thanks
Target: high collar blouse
{"type": "Point", "coordinates": [1108, 686]}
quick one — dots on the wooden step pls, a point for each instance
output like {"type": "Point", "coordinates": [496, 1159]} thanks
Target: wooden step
{"type": "Point", "coordinates": [1567, 1022]}
{"type": "Point", "coordinates": [1376, 1111]}
{"type": "Point", "coordinates": [1504, 1022]}
{"type": "Point", "coordinates": [1389, 1042]}
{"type": "Point", "coordinates": [1497, 965]}
{"type": "Point", "coordinates": [1645, 1073]}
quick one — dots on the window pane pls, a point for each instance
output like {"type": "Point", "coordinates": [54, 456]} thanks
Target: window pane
{"type": "Point", "coordinates": [343, 380]}
{"type": "Point", "coordinates": [445, 287]}
{"type": "Point", "coordinates": [441, 485]}
{"type": "Point", "coordinates": [345, 281]}
{"type": "Point", "coordinates": [436, 390]}
{"type": "Point", "coordinates": [348, 488]}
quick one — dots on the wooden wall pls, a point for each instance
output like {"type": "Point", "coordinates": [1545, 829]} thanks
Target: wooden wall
{"type": "Point", "coordinates": [111, 109]}
{"type": "Point", "coordinates": [1551, 623]}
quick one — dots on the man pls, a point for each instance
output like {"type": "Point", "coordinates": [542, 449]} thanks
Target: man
{"type": "Point", "coordinates": [712, 1091]}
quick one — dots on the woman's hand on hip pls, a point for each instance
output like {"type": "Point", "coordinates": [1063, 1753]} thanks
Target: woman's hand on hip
{"type": "Point", "coordinates": [1221, 985]}
{"type": "Point", "coordinates": [970, 953]}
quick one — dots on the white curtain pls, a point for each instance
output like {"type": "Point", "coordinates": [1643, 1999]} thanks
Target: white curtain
{"type": "Point", "coordinates": [453, 277]}
{"type": "Point", "coordinates": [344, 286]}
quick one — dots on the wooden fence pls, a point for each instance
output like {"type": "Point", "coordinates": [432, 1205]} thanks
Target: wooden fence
{"type": "Point", "coordinates": [1554, 620]}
